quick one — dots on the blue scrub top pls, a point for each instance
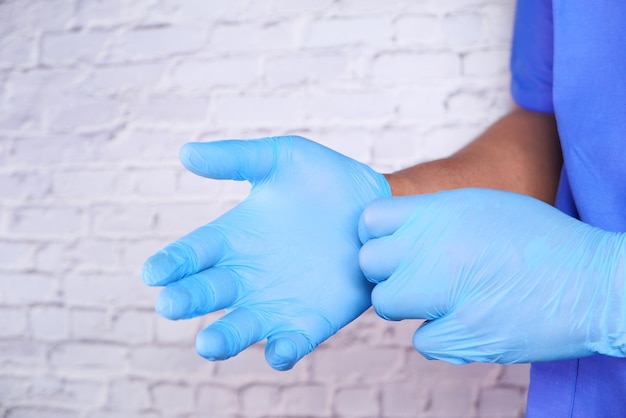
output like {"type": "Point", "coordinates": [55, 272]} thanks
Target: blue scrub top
{"type": "Point", "coordinates": [569, 58]}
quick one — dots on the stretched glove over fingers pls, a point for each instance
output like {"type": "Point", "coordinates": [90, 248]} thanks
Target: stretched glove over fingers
{"type": "Point", "coordinates": [284, 262]}
{"type": "Point", "coordinates": [499, 277]}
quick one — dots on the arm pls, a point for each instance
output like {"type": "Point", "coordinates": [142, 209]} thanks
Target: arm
{"type": "Point", "coordinates": [518, 153]}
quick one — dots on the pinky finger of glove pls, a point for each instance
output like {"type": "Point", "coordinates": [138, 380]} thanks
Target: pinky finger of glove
{"type": "Point", "coordinates": [285, 349]}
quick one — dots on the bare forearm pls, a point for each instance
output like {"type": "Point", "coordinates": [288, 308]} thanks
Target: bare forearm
{"type": "Point", "coordinates": [519, 153]}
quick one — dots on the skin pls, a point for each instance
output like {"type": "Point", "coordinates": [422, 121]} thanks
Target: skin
{"type": "Point", "coordinates": [518, 153]}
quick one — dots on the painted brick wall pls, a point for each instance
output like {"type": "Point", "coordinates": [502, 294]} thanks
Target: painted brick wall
{"type": "Point", "coordinates": [96, 97]}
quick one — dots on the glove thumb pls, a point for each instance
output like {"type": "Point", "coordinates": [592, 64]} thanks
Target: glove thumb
{"type": "Point", "coordinates": [250, 160]}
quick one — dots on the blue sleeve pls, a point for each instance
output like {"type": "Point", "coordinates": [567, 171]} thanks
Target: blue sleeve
{"type": "Point", "coordinates": [532, 55]}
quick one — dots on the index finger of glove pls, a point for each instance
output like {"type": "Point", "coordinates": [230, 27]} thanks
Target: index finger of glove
{"type": "Point", "coordinates": [249, 160]}
{"type": "Point", "coordinates": [190, 254]}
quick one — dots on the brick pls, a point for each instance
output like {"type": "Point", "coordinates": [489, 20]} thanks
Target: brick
{"type": "Point", "coordinates": [126, 219]}
{"type": "Point", "coordinates": [453, 400]}
{"type": "Point", "coordinates": [16, 254]}
{"type": "Point", "coordinates": [354, 364]}
{"type": "Point", "coordinates": [259, 400]}
{"type": "Point", "coordinates": [112, 12]}
{"type": "Point", "coordinates": [501, 402]}
{"type": "Point", "coordinates": [443, 141]}
{"type": "Point", "coordinates": [472, 373]}
{"type": "Point", "coordinates": [499, 23]}
{"type": "Point", "coordinates": [153, 182]}
{"type": "Point", "coordinates": [133, 327]}
{"type": "Point", "coordinates": [48, 412]}
{"type": "Point", "coordinates": [157, 42]}
{"type": "Point", "coordinates": [294, 69]}
{"type": "Point", "coordinates": [255, 110]}
{"type": "Point", "coordinates": [463, 29]}
{"type": "Point", "coordinates": [49, 323]}
{"type": "Point", "coordinates": [253, 37]}
{"type": "Point", "coordinates": [355, 144]}
{"type": "Point", "coordinates": [67, 48]}
{"type": "Point", "coordinates": [113, 414]}
{"type": "Point", "coordinates": [96, 254]}
{"type": "Point", "coordinates": [176, 332]}
{"type": "Point", "coordinates": [84, 114]}
{"type": "Point", "coordinates": [94, 290]}
{"type": "Point", "coordinates": [486, 63]}
{"type": "Point", "coordinates": [88, 356]}
{"type": "Point", "coordinates": [361, 108]}
{"type": "Point", "coordinates": [181, 218]}
{"type": "Point", "coordinates": [223, 401]}
{"type": "Point", "coordinates": [22, 354]}
{"type": "Point", "coordinates": [425, 105]}
{"type": "Point", "coordinates": [53, 256]}
{"type": "Point", "coordinates": [135, 252]}
{"type": "Point", "coordinates": [28, 288]}
{"type": "Point", "coordinates": [376, 7]}
{"type": "Point", "coordinates": [88, 324]}
{"type": "Point", "coordinates": [172, 398]}
{"type": "Point", "coordinates": [399, 148]}
{"type": "Point", "coordinates": [250, 365]}
{"type": "Point", "coordinates": [327, 33]}
{"type": "Point", "coordinates": [202, 10]}
{"type": "Point", "coordinates": [25, 103]}
{"type": "Point", "coordinates": [468, 106]}
{"type": "Point", "coordinates": [87, 183]}
{"type": "Point", "coordinates": [13, 388]}
{"type": "Point", "coordinates": [170, 109]}
{"type": "Point", "coordinates": [50, 15]}
{"type": "Point", "coordinates": [141, 144]}
{"type": "Point", "coordinates": [197, 187]}
{"type": "Point", "coordinates": [356, 402]}
{"type": "Point", "coordinates": [24, 185]}
{"type": "Point", "coordinates": [419, 29]}
{"type": "Point", "coordinates": [306, 400]}
{"type": "Point", "coordinates": [51, 390]}
{"type": "Point", "coordinates": [120, 79]}
{"type": "Point", "coordinates": [195, 75]}
{"type": "Point", "coordinates": [299, 7]}
{"type": "Point", "coordinates": [405, 399]}
{"type": "Point", "coordinates": [166, 359]}
{"type": "Point", "coordinates": [59, 221]}
{"type": "Point", "coordinates": [17, 50]}
{"type": "Point", "coordinates": [414, 67]}
{"type": "Point", "coordinates": [13, 322]}
{"type": "Point", "coordinates": [129, 394]}
{"type": "Point", "coordinates": [49, 150]}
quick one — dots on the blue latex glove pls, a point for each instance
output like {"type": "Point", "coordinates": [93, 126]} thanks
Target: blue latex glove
{"type": "Point", "coordinates": [284, 262]}
{"type": "Point", "coordinates": [499, 277]}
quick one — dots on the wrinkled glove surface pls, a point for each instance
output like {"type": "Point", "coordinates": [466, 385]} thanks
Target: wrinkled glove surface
{"type": "Point", "coordinates": [284, 262]}
{"type": "Point", "coordinates": [499, 277]}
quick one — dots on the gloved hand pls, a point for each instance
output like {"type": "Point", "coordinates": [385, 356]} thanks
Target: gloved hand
{"type": "Point", "coordinates": [284, 262]}
{"type": "Point", "coordinates": [499, 277]}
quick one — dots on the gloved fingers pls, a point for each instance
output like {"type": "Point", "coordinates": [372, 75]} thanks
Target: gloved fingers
{"type": "Point", "coordinates": [436, 341]}
{"type": "Point", "coordinates": [285, 349]}
{"type": "Point", "coordinates": [379, 258]}
{"type": "Point", "coordinates": [207, 291]}
{"type": "Point", "coordinates": [190, 254]}
{"type": "Point", "coordinates": [406, 295]}
{"type": "Point", "coordinates": [230, 335]}
{"type": "Point", "coordinates": [230, 159]}
{"type": "Point", "coordinates": [383, 217]}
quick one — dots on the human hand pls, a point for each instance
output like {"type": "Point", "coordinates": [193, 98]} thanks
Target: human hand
{"type": "Point", "coordinates": [284, 262]}
{"type": "Point", "coordinates": [499, 277]}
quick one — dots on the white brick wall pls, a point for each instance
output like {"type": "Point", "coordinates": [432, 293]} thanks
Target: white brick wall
{"type": "Point", "coordinates": [96, 98]}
